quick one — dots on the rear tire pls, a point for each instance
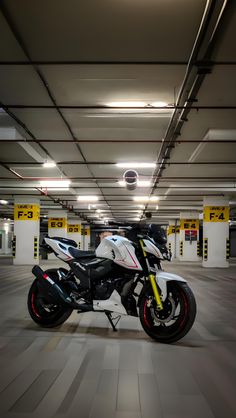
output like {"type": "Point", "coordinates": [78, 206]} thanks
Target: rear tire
{"type": "Point", "coordinates": [177, 318]}
{"type": "Point", "coordinates": [44, 313]}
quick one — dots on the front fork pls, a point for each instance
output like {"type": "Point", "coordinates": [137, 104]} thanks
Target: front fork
{"type": "Point", "coordinates": [152, 281]}
{"type": "Point", "coordinates": [156, 292]}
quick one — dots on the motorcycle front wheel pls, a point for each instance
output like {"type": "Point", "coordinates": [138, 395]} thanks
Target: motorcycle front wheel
{"type": "Point", "coordinates": [175, 320]}
{"type": "Point", "coordinates": [44, 313]}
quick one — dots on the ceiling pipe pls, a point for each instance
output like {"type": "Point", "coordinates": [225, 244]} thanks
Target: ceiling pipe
{"type": "Point", "coordinates": [202, 49]}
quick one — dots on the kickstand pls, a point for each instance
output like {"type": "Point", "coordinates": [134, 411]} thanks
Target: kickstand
{"type": "Point", "coordinates": [110, 319]}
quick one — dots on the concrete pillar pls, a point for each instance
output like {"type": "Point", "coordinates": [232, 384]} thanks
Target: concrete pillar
{"type": "Point", "coordinates": [6, 235]}
{"type": "Point", "coordinates": [74, 231]}
{"type": "Point", "coordinates": [171, 243]}
{"type": "Point", "coordinates": [25, 247]}
{"type": "Point", "coordinates": [86, 237]}
{"type": "Point", "coordinates": [215, 232]}
{"type": "Point", "coordinates": [189, 236]}
{"type": "Point", "coordinates": [57, 226]}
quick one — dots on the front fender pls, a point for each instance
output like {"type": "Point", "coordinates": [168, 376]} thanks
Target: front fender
{"type": "Point", "coordinates": [163, 277]}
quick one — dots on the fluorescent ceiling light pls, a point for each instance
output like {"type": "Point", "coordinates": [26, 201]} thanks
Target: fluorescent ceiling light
{"type": "Point", "coordinates": [157, 207]}
{"type": "Point", "coordinates": [87, 198]}
{"type": "Point", "coordinates": [140, 183]}
{"type": "Point", "coordinates": [90, 206]}
{"type": "Point", "coordinates": [3, 202]}
{"type": "Point", "coordinates": [49, 184]}
{"type": "Point", "coordinates": [136, 165]}
{"type": "Point", "coordinates": [146, 198]}
{"type": "Point", "coordinates": [144, 183]}
{"type": "Point", "coordinates": [127, 104]}
{"type": "Point", "coordinates": [159, 104]}
{"type": "Point", "coordinates": [49, 164]}
{"type": "Point", "coordinates": [98, 210]}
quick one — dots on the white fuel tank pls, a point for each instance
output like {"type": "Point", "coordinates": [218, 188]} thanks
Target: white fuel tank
{"type": "Point", "coordinates": [120, 250]}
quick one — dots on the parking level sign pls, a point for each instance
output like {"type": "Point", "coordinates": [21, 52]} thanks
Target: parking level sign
{"type": "Point", "coordinates": [26, 212]}
{"type": "Point", "coordinates": [216, 214]}
{"type": "Point", "coordinates": [56, 223]}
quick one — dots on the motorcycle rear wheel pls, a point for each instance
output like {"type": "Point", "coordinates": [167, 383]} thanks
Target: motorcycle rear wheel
{"type": "Point", "coordinates": [44, 313]}
{"type": "Point", "coordinates": [175, 320]}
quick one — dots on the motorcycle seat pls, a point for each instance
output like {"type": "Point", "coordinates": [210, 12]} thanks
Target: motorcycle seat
{"type": "Point", "coordinates": [80, 253]}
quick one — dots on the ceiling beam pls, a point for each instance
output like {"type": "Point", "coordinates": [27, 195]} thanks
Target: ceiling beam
{"type": "Point", "coordinates": [118, 63]}
{"type": "Point", "coordinates": [112, 108]}
{"type": "Point", "coordinates": [154, 141]}
{"type": "Point", "coordinates": [114, 163]}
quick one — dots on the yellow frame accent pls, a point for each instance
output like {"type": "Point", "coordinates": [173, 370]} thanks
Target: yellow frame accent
{"type": "Point", "coordinates": [144, 252]}
{"type": "Point", "coordinates": [156, 292]}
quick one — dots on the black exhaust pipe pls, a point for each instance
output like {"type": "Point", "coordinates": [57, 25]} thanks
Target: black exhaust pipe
{"type": "Point", "coordinates": [51, 287]}
{"type": "Point", "coordinates": [55, 291]}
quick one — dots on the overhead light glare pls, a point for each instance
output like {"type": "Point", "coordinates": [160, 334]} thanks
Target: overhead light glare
{"type": "Point", "coordinates": [84, 198]}
{"type": "Point", "coordinates": [146, 198]}
{"type": "Point", "coordinates": [154, 198]}
{"type": "Point", "coordinates": [157, 207]}
{"type": "Point", "coordinates": [49, 164]}
{"type": "Point", "coordinates": [136, 165]}
{"type": "Point", "coordinates": [141, 198]}
{"type": "Point", "coordinates": [55, 184]}
{"type": "Point", "coordinates": [3, 202]}
{"type": "Point", "coordinates": [127, 104]}
{"type": "Point", "coordinates": [159, 104]}
{"type": "Point", "coordinates": [144, 183]}
{"type": "Point", "coordinates": [91, 206]}
{"type": "Point", "coordinates": [140, 183]}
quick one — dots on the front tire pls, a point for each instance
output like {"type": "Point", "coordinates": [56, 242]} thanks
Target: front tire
{"type": "Point", "coordinates": [175, 320]}
{"type": "Point", "coordinates": [43, 312]}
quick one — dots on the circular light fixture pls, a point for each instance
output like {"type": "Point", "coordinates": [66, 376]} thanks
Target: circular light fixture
{"type": "Point", "coordinates": [131, 179]}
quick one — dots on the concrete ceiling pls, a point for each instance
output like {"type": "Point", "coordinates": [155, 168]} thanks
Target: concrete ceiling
{"type": "Point", "coordinates": [62, 63]}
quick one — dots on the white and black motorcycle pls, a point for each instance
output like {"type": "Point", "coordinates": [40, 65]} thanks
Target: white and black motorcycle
{"type": "Point", "coordinates": [123, 276]}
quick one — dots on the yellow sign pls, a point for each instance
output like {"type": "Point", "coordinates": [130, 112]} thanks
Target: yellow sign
{"type": "Point", "coordinates": [74, 228]}
{"type": "Point", "coordinates": [56, 222]}
{"type": "Point", "coordinates": [216, 214]}
{"type": "Point", "coordinates": [189, 224]}
{"type": "Point", "coordinates": [170, 230]}
{"type": "Point", "coordinates": [26, 212]}
{"type": "Point", "coordinates": [177, 230]}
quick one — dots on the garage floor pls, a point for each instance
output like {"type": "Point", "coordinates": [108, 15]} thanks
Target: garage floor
{"type": "Point", "coordinates": [83, 369]}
